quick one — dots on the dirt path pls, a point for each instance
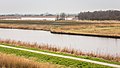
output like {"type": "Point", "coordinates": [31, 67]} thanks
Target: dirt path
{"type": "Point", "coordinates": [62, 56]}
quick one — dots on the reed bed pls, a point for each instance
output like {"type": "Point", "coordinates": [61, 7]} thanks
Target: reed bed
{"type": "Point", "coordinates": [12, 61]}
{"type": "Point", "coordinates": [100, 28]}
{"type": "Point", "coordinates": [60, 50]}
{"type": "Point", "coordinates": [112, 29]}
{"type": "Point", "coordinates": [22, 26]}
{"type": "Point", "coordinates": [99, 21]}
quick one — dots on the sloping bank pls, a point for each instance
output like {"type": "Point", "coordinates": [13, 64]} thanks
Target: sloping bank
{"type": "Point", "coordinates": [83, 34]}
{"type": "Point", "coordinates": [55, 58]}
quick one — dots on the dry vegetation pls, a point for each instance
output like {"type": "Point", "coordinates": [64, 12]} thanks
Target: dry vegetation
{"type": "Point", "coordinates": [106, 28]}
{"type": "Point", "coordinates": [12, 61]}
{"type": "Point", "coordinates": [112, 29]}
{"type": "Point", "coordinates": [22, 26]}
{"type": "Point", "coordinates": [102, 28]}
{"type": "Point", "coordinates": [64, 50]}
{"type": "Point", "coordinates": [100, 21]}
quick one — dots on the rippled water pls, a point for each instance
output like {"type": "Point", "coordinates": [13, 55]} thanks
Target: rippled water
{"type": "Point", "coordinates": [84, 43]}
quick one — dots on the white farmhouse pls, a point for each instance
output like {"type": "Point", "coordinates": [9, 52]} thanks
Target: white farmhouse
{"type": "Point", "coordinates": [39, 18]}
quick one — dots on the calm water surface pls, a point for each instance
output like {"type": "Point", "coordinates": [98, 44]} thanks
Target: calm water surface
{"type": "Point", "coordinates": [84, 43]}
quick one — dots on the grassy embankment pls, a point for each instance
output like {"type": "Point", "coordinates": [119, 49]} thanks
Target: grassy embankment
{"type": "Point", "coordinates": [12, 61]}
{"type": "Point", "coordinates": [56, 60]}
{"type": "Point", "coordinates": [96, 29]}
{"type": "Point", "coordinates": [84, 27]}
{"type": "Point", "coordinates": [32, 25]}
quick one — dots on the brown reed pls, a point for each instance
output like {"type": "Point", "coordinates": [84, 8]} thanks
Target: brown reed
{"type": "Point", "coordinates": [63, 50]}
{"type": "Point", "coordinates": [12, 61]}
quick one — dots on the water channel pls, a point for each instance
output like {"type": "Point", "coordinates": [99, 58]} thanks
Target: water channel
{"type": "Point", "coordinates": [101, 45]}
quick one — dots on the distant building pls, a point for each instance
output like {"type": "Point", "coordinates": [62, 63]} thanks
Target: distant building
{"type": "Point", "coordinates": [65, 18]}
{"type": "Point", "coordinates": [75, 18]}
{"type": "Point", "coordinates": [52, 18]}
{"type": "Point", "coordinates": [10, 17]}
{"type": "Point", "coordinates": [39, 18]}
{"type": "Point", "coordinates": [70, 18]}
{"type": "Point", "coordinates": [28, 18]}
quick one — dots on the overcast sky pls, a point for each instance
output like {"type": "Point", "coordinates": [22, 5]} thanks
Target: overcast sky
{"type": "Point", "coordinates": [56, 6]}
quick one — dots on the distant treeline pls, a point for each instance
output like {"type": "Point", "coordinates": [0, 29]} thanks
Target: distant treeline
{"type": "Point", "coordinates": [100, 15]}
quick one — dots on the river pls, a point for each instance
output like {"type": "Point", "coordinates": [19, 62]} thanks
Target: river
{"type": "Point", "coordinates": [109, 46]}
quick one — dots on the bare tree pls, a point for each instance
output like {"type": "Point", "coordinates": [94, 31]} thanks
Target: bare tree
{"type": "Point", "coordinates": [62, 16]}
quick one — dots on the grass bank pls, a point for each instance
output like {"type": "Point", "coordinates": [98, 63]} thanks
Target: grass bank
{"type": "Point", "coordinates": [64, 51]}
{"type": "Point", "coordinates": [100, 30]}
{"type": "Point", "coordinates": [55, 60]}
{"type": "Point", "coordinates": [12, 61]}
